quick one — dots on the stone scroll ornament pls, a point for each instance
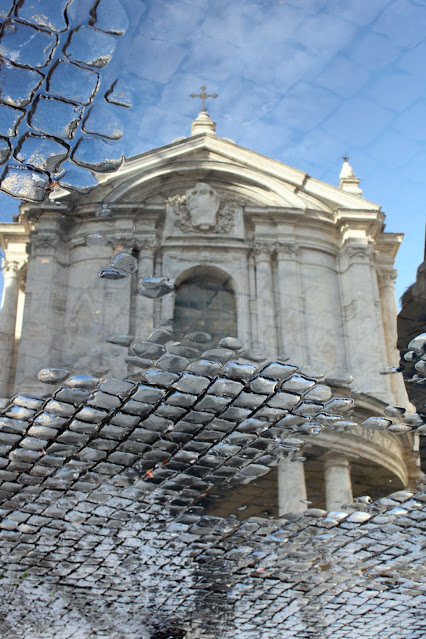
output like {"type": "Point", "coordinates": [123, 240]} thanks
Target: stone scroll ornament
{"type": "Point", "coordinates": [203, 209]}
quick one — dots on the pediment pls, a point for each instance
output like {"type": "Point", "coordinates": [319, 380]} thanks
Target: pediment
{"type": "Point", "coordinates": [262, 181]}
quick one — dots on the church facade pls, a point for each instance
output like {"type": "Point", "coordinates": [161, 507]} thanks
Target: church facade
{"type": "Point", "coordinates": [294, 268]}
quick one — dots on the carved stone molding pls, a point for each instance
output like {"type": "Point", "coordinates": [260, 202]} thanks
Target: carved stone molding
{"type": "Point", "coordinates": [203, 209]}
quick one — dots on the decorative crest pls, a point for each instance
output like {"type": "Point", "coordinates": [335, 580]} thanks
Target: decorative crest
{"type": "Point", "coordinates": [203, 209]}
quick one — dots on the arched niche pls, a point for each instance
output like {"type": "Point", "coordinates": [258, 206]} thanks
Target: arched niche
{"type": "Point", "coordinates": [205, 300]}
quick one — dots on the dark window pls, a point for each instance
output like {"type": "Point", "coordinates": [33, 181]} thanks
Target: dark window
{"type": "Point", "coordinates": [205, 301]}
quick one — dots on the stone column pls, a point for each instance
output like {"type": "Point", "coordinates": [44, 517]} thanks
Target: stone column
{"type": "Point", "coordinates": [43, 310]}
{"type": "Point", "coordinates": [143, 321]}
{"type": "Point", "coordinates": [8, 311]}
{"type": "Point", "coordinates": [338, 486]}
{"type": "Point", "coordinates": [291, 325]}
{"type": "Point", "coordinates": [266, 319]}
{"type": "Point", "coordinates": [386, 277]}
{"type": "Point", "coordinates": [291, 487]}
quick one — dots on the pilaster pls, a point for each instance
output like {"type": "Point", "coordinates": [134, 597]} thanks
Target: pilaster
{"type": "Point", "coordinates": [266, 318]}
{"type": "Point", "coordinates": [143, 321]}
{"type": "Point", "coordinates": [364, 334]}
{"type": "Point", "coordinates": [290, 302]}
{"type": "Point", "coordinates": [386, 276]}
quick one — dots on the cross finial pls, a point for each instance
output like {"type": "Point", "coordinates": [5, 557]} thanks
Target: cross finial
{"type": "Point", "coordinates": [203, 95]}
{"type": "Point", "coordinates": [345, 158]}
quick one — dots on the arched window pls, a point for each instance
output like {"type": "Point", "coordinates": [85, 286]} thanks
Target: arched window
{"type": "Point", "coordinates": [205, 301]}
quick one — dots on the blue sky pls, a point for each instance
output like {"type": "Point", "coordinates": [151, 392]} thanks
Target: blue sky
{"type": "Point", "coordinates": [301, 81]}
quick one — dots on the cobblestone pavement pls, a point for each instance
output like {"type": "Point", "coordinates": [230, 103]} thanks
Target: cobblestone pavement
{"type": "Point", "coordinates": [58, 119]}
{"type": "Point", "coordinates": [102, 535]}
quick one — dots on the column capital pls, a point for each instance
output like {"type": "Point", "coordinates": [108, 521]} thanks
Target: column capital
{"type": "Point", "coordinates": [43, 243]}
{"type": "Point", "coordinates": [262, 248]}
{"type": "Point", "coordinates": [124, 241]}
{"type": "Point", "coordinates": [386, 275]}
{"type": "Point", "coordinates": [147, 245]}
{"type": "Point", "coordinates": [286, 250]}
{"type": "Point", "coordinates": [10, 267]}
{"type": "Point", "coordinates": [358, 252]}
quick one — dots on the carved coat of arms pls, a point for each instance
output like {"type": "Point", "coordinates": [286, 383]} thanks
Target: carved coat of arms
{"type": "Point", "coordinates": [203, 209]}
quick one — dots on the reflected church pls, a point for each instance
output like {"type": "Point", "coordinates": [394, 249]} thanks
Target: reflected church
{"type": "Point", "coordinates": [294, 268]}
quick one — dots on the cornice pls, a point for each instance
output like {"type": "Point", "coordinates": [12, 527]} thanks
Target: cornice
{"type": "Point", "coordinates": [119, 241]}
{"type": "Point", "coordinates": [377, 447]}
{"type": "Point", "coordinates": [13, 234]}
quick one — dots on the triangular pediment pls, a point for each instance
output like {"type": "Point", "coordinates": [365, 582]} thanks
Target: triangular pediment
{"type": "Point", "coordinates": [205, 157]}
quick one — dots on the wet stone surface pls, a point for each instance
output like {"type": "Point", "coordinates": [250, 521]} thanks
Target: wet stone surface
{"type": "Point", "coordinates": [6, 7]}
{"type": "Point", "coordinates": [97, 155]}
{"type": "Point", "coordinates": [119, 94]}
{"type": "Point", "coordinates": [104, 120]}
{"type": "Point", "coordinates": [77, 179]}
{"type": "Point", "coordinates": [17, 85]}
{"type": "Point", "coordinates": [44, 13]}
{"type": "Point", "coordinates": [26, 45]}
{"type": "Point", "coordinates": [24, 183]}
{"type": "Point", "coordinates": [112, 274]}
{"type": "Point", "coordinates": [154, 287]}
{"type": "Point", "coordinates": [29, 43]}
{"type": "Point", "coordinates": [41, 152]}
{"type": "Point", "coordinates": [55, 117]}
{"type": "Point", "coordinates": [110, 16]}
{"type": "Point", "coordinates": [5, 150]}
{"type": "Point", "coordinates": [95, 239]}
{"type": "Point", "coordinates": [124, 262]}
{"type": "Point", "coordinates": [91, 46]}
{"type": "Point", "coordinates": [72, 82]}
{"type": "Point", "coordinates": [102, 508]}
{"type": "Point", "coordinates": [10, 119]}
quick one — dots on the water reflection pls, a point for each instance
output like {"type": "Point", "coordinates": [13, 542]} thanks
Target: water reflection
{"type": "Point", "coordinates": [174, 463]}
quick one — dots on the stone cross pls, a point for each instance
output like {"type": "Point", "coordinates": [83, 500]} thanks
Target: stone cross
{"type": "Point", "coordinates": [203, 95]}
